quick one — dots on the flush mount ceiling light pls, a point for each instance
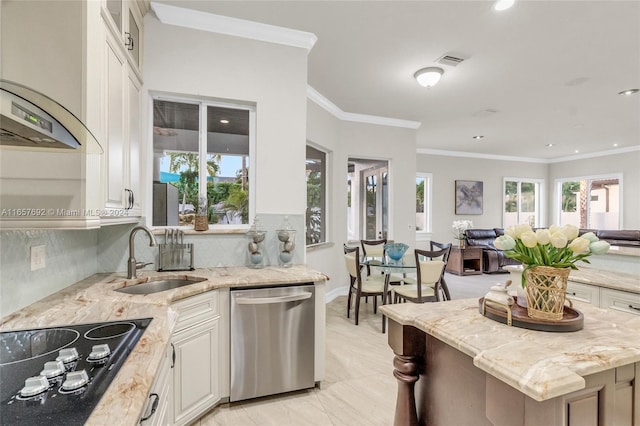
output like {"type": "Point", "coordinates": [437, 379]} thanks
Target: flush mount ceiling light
{"type": "Point", "coordinates": [629, 92]}
{"type": "Point", "coordinates": [550, 144]}
{"type": "Point", "coordinates": [478, 137]}
{"type": "Point", "coordinates": [503, 4]}
{"type": "Point", "coordinates": [428, 77]}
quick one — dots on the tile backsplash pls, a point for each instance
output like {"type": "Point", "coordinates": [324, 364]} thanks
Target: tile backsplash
{"type": "Point", "coordinates": [74, 255]}
{"type": "Point", "coordinates": [70, 256]}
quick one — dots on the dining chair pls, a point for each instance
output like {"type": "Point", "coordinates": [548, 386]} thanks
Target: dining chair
{"type": "Point", "coordinates": [428, 282]}
{"type": "Point", "coordinates": [359, 285]}
{"type": "Point", "coordinates": [445, 258]}
{"type": "Point", "coordinates": [373, 249]}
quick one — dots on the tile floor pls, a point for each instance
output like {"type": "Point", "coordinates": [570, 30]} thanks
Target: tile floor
{"type": "Point", "coordinates": [359, 388]}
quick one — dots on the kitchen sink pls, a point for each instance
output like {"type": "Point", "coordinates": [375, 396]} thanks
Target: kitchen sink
{"type": "Point", "coordinates": [162, 284]}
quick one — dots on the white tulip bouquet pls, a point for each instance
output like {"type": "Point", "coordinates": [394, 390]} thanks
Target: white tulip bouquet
{"type": "Point", "coordinates": [459, 226]}
{"type": "Point", "coordinates": [558, 247]}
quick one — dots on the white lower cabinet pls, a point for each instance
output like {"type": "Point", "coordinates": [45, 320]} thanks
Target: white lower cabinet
{"type": "Point", "coordinates": [196, 348]}
{"type": "Point", "coordinates": [159, 408]}
{"type": "Point", "coordinates": [583, 293]}
{"type": "Point", "coordinates": [622, 301]}
{"type": "Point", "coordinates": [195, 374]}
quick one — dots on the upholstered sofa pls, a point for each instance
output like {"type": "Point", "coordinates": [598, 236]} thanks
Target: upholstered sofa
{"type": "Point", "coordinates": [494, 259]}
{"type": "Point", "coordinates": [622, 237]}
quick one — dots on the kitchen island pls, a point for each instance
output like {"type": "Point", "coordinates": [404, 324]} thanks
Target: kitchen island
{"type": "Point", "coordinates": [95, 300]}
{"type": "Point", "coordinates": [457, 367]}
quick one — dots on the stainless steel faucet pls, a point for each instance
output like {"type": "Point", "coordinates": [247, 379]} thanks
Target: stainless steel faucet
{"type": "Point", "coordinates": [133, 266]}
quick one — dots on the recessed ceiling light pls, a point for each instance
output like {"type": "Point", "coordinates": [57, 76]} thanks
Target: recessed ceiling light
{"type": "Point", "coordinates": [224, 121]}
{"type": "Point", "coordinates": [629, 92]}
{"type": "Point", "coordinates": [576, 151]}
{"type": "Point", "coordinates": [615, 144]}
{"type": "Point", "coordinates": [478, 137]}
{"type": "Point", "coordinates": [549, 144]}
{"type": "Point", "coordinates": [503, 4]}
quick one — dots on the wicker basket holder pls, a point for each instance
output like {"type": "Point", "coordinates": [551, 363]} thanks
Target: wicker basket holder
{"type": "Point", "coordinates": [546, 290]}
{"type": "Point", "coordinates": [202, 223]}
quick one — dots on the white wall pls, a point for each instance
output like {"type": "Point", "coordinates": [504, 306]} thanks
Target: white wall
{"type": "Point", "coordinates": [272, 77]}
{"type": "Point", "coordinates": [348, 139]}
{"type": "Point", "coordinates": [446, 170]}
{"type": "Point", "coordinates": [626, 163]}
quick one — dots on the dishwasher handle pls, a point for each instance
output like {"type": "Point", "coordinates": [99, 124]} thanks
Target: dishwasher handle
{"type": "Point", "coordinates": [269, 300]}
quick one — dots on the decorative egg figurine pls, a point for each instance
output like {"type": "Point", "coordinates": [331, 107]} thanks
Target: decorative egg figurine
{"type": "Point", "coordinates": [286, 256]}
{"type": "Point", "coordinates": [256, 257]}
{"type": "Point", "coordinates": [258, 237]}
{"type": "Point", "coordinates": [253, 247]}
{"type": "Point", "coordinates": [283, 235]}
{"type": "Point", "coordinates": [288, 246]}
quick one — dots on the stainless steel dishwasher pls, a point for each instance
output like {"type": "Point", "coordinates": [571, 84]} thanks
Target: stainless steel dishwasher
{"type": "Point", "coordinates": [272, 340]}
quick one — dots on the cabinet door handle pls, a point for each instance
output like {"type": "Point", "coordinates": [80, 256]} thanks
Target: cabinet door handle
{"type": "Point", "coordinates": [154, 406]}
{"type": "Point", "coordinates": [173, 356]}
{"type": "Point", "coordinates": [130, 199]}
{"type": "Point", "coordinates": [634, 307]}
{"type": "Point", "coordinates": [129, 43]}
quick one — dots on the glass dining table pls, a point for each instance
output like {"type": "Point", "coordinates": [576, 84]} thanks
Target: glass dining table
{"type": "Point", "coordinates": [405, 265]}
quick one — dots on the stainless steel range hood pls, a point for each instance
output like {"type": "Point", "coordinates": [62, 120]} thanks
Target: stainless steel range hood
{"type": "Point", "coordinates": [32, 120]}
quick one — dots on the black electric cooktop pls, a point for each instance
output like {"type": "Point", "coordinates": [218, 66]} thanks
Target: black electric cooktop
{"type": "Point", "coordinates": [57, 375]}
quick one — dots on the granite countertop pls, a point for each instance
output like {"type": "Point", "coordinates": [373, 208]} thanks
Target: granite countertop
{"type": "Point", "coordinates": [608, 279]}
{"type": "Point", "coordinates": [600, 278]}
{"type": "Point", "coordinates": [542, 365]}
{"type": "Point", "coordinates": [93, 300]}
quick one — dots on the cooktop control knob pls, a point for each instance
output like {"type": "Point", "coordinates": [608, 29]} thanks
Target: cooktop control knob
{"type": "Point", "coordinates": [75, 380]}
{"type": "Point", "coordinates": [99, 352]}
{"type": "Point", "coordinates": [67, 355]}
{"type": "Point", "coordinates": [34, 386]}
{"type": "Point", "coordinates": [53, 369]}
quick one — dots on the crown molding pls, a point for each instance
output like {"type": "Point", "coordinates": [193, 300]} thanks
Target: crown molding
{"type": "Point", "coordinates": [478, 155]}
{"type": "Point", "coordinates": [527, 159]}
{"type": "Point", "coordinates": [204, 21]}
{"type": "Point", "coordinates": [596, 154]}
{"type": "Point", "coordinates": [333, 109]}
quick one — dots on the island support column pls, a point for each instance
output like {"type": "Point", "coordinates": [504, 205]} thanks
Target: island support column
{"type": "Point", "coordinates": [408, 344]}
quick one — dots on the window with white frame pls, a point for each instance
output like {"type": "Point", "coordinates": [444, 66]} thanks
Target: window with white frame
{"type": "Point", "coordinates": [522, 202]}
{"type": "Point", "coordinates": [591, 202]}
{"type": "Point", "coordinates": [202, 158]}
{"type": "Point", "coordinates": [423, 202]}
{"type": "Point", "coordinates": [316, 214]}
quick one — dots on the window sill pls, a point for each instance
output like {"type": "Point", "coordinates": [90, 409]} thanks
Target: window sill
{"type": "Point", "coordinates": [318, 246]}
{"type": "Point", "coordinates": [211, 231]}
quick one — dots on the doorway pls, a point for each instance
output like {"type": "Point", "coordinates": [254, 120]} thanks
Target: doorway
{"type": "Point", "coordinates": [368, 199]}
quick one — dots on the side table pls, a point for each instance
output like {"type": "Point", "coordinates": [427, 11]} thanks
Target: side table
{"type": "Point", "coordinates": [465, 261]}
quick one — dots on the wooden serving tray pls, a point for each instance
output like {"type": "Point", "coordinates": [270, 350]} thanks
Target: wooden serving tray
{"type": "Point", "coordinates": [572, 319]}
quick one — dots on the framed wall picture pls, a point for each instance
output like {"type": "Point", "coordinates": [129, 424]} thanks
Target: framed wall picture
{"type": "Point", "coordinates": [468, 197]}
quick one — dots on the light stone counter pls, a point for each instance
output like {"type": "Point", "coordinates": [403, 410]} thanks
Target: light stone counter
{"type": "Point", "coordinates": [596, 277]}
{"type": "Point", "coordinates": [541, 365]}
{"type": "Point", "coordinates": [602, 278]}
{"type": "Point", "coordinates": [93, 300]}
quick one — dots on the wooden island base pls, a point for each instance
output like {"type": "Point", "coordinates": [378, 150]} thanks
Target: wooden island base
{"type": "Point", "coordinates": [439, 385]}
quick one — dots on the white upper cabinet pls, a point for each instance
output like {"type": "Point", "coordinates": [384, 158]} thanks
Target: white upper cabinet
{"type": "Point", "coordinates": [47, 46]}
{"type": "Point", "coordinates": [86, 55]}
{"type": "Point", "coordinates": [121, 110]}
{"type": "Point", "coordinates": [124, 20]}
